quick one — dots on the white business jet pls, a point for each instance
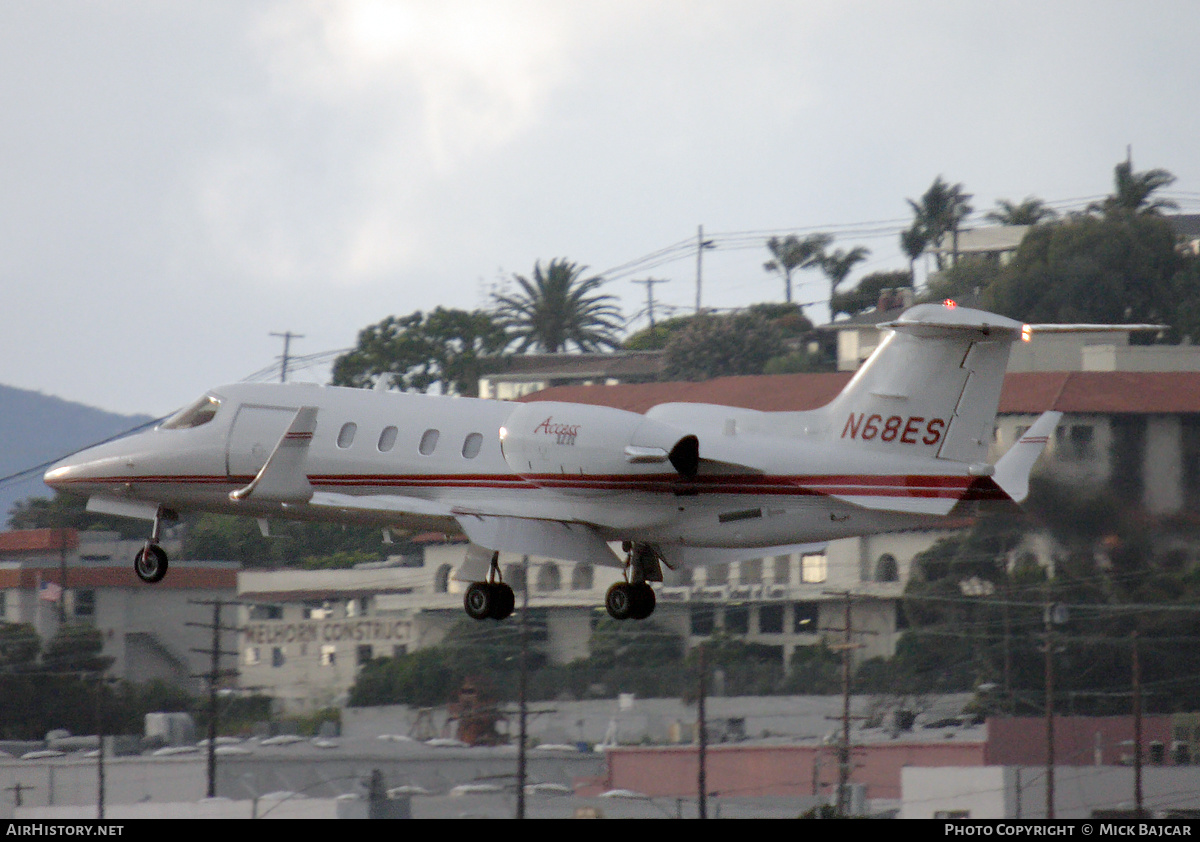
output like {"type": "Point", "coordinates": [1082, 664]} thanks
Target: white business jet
{"type": "Point", "coordinates": [685, 484]}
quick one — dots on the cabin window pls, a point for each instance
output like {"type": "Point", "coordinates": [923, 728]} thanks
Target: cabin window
{"type": "Point", "coordinates": [471, 445]}
{"type": "Point", "coordinates": [346, 435]}
{"type": "Point", "coordinates": [387, 439]}
{"type": "Point", "coordinates": [429, 442]}
{"type": "Point", "coordinates": [195, 415]}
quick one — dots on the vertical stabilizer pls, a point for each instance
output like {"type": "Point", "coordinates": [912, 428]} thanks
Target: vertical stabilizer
{"type": "Point", "coordinates": [931, 388]}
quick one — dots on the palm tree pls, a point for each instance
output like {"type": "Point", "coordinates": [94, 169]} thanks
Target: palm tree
{"type": "Point", "coordinates": [792, 253]}
{"type": "Point", "coordinates": [1029, 211]}
{"type": "Point", "coordinates": [1132, 192]}
{"type": "Point", "coordinates": [913, 241]}
{"type": "Point", "coordinates": [837, 266]}
{"type": "Point", "coordinates": [942, 210]}
{"type": "Point", "coordinates": [558, 308]}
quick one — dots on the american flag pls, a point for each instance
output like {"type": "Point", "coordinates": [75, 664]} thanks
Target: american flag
{"type": "Point", "coordinates": [49, 592]}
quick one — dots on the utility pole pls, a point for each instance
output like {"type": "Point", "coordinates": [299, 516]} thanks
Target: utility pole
{"type": "Point", "coordinates": [213, 676]}
{"type": "Point", "coordinates": [1137, 727]}
{"type": "Point", "coordinates": [701, 245]}
{"type": "Point", "coordinates": [287, 337]}
{"type": "Point", "coordinates": [702, 727]}
{"type": "Point", "coordinates": [846, 647]}
{"type": "Point", "coordinates": [649, 283]}
{"type": "Point", "coordinates": [1049, 671]}
{"type": "Point", "coordinates": [521, 687]}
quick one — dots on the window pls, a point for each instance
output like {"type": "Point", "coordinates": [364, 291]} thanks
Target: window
{"type": "Point", "coordinates": [1074, 442]}
{"type": "Point", "coordinates": [702, 620]}
{"type": "Point", "coordinates": [266, 612]}
{"type": "Point", "coordinates": [472, 445]}
{"type": "Point", "coordinates": [363, 653]}
{"type": "Point", "coordinates": [441, 579]}
{"type": "Point", "coordinates": [85, 603]}
{"type": "Point", "coordinates": [195, 415]}
{"type": "Point", "coordinates": [737, 619]}
{"type": "Point", "coordinates": [813, 569]}
{"type": "Point", "coordinates": [886, 569]}
{"type": "Point", "coordinates": [750, 572]}
{"type": "Point", "coordinates": [804, 618]}
{"type": "Point", "coordinates": [548, 578]}
{"type": "Point", "coordinates": [277, 656]}
{"type": "Point", "coordinates": [252, 656]}
{"type": "Point", "coordinates": [387, 439]}
{"type": "Point", "coordinates": [783, 569]}
{"type": "Point", "coordinates": [346, 435]}
{"type": "Point", "coordinates": [717, 574]}
{"type": "Point", "coordinates": [429, 442]}
{"type": "Point", "coordinates": [770, 619]}
{"type": "Point", "coordinates": [328, 655]}
{"type": "Point", "coordinates": [581, 577]}
{"type": "Point", "coordinates": [514, 574]}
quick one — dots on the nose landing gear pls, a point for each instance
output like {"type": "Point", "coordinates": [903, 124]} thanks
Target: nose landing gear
{"type": "Point", "coordinates": [150, 563]}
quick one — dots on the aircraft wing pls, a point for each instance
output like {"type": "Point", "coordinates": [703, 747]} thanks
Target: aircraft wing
{"type": "Point", "coordinates": [552, 538]}
{"type": "Point", "coordinates": [677, 556]}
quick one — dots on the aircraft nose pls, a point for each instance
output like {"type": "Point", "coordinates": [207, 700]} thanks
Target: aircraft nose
{"type": "Point", "coordinates": [79, 470]}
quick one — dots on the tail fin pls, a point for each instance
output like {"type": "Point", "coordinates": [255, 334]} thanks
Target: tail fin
{"type": "Point", "coordinates": [932, 386]}
{"type": "Point", "coordinates": [1012, 469]}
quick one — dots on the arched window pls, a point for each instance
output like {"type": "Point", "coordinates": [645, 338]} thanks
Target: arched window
{"type": "Point", "coordinates": [886, 569]}
{"type": "Point", "coordinates": [582, 577]}
{"type": "Point", "coordinates": [549, 578]}
{"type": "Point", "coordinates": [441, 579]}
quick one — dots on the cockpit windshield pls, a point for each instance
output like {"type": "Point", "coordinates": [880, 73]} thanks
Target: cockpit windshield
{"type": "Point", "coordinates": [195, 415]}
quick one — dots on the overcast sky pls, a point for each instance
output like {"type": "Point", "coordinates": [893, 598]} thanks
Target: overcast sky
{"type": "Point", "coordinates": [183, 178]}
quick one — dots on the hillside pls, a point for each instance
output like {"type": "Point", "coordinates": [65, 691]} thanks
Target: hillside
{"type": "Point", "coordinates": [37, 428]}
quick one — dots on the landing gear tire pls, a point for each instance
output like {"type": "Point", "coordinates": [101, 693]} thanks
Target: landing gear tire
{"type": "Point", "coordinates": [643, 601]}
{"type": "Point", "coordinates": [625, 601]}
{"type": "Point", "coordinates": [150, 564]}
{"type": "Point", "coordinates": [489, 601]}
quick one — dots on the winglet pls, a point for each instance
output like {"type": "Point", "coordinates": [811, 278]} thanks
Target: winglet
{"type": "Point", "coordinates": [282, 479]}
{"type": "Point", "coordinates": [1012, 470]}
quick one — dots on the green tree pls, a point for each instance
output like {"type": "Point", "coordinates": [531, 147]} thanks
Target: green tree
{"type": "Point", "coordinates": [67, 511]}
{"type": "Point", "coordinates": [792, 253]}
{"type": "Point", "coordinates": [1110, 269]}
{"type": "Point", "coordinates": [721, 345]}
{"type": "Point", "coordinates": [559, 308]}
{"type": "Point", "coordinates": [865, 295]}
{"type": "Point", "coordinates": [446, 349]}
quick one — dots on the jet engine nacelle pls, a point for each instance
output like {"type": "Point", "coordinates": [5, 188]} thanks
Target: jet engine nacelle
{"type": "Point", "coordinates": [545, 439]}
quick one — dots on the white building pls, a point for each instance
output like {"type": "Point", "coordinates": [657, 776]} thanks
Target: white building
{"type": "Point", "coordinates": [51, 576]}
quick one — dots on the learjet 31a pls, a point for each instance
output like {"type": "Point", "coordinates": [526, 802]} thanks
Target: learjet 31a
{"type": "Point", "coordinates": [902, 446]}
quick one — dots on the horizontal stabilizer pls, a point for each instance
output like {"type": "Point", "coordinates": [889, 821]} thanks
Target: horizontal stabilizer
{"type": "Point", "coordinates": [1013, 468]}
{"type": "Point", "coordinates": [551, 538]}
{"type": "Point", "coordinates": [283, 479]}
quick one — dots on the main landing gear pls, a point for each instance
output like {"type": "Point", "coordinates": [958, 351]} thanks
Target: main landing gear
{"type": "Point", "coordinates": [150, 563]}
{"type": "Point", "coordinates": [492, 599]}
{"type": "Point", "coordinates": [634, 599]}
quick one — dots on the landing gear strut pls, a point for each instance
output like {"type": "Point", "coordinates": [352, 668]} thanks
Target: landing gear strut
{"type": "Point", "coordinates": [150, 563]}
{"type": "Point", "coordinates": [492, 599]}
{"type": "Point", "coordinates": [634, 599]}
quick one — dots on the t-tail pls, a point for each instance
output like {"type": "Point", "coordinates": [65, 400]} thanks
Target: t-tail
{"type": "Point", "coordinates": [932, 388]}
